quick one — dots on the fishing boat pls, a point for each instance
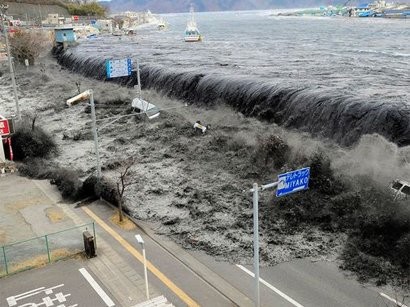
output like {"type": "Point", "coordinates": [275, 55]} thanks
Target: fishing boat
{"type": "Point", "coordinates": [162, 25]}
{"type": "Point", "coordinates": [191, 31]}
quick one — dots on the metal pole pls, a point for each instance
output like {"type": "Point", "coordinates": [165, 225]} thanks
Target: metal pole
{"type": "Point", "coordinates": [2, 155]}
{"type": "Point", "coordinates": [256, 242]}
{"type": "Point", "coordinates": [145, 272]}
{"type": "Point", "coordinates": [5, 260]}
{"type": "Point", "coordinates": [13, 78]}
{"type": "Point", "coordinates": [41, 16]}
{"type": "Point", "coordinates": [95, 238]}
{"type": "Point", "coordinates": [48, 249]}
{"type": "Point", "coordinates": [94, 127]}
{"type": "Point", "coordinates": [139, 79]}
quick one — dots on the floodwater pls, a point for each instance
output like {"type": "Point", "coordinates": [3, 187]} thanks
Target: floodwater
{"type": "Point", "coordinates": [335, 77]}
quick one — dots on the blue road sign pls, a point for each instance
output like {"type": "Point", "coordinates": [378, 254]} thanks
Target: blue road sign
{"type": "Point", "coordinates": [118, 68]}
{"type": "Point", "coordinates": [293, 181]}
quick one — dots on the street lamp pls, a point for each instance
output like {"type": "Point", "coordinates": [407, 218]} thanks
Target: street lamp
{"type": "Point", "coordinates": [141, 241]}
{"type": "Point", "coordinates": [3, 9]}
{"type": "Point", "coordinates": [150, 110]}
{"type": "Point", "coordinates": [75, 100]}
{"type": "Point", "coordinates": [255, 190]}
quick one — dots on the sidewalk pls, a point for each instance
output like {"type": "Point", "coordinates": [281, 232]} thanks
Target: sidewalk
{"type": "Point", "coordinates": [27, 208]}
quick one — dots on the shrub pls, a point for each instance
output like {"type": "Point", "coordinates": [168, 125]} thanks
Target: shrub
{"type": "Point", "coordinates": [236, 143]}
{"type": "Point", "coordinates": [67, 180]}
{"type": "Point", "coordinates": [32, 142]}
{"type": "Point", "coordinates": [402, 251]}
{"type": "Point", "coordinates": [28, 44]}
{"type": "Point", "coordinates": [322, 178]}
{"type": "Point", "coordinates": [366, 266]}
{"type": "Point", "coordinates": [105, 189]}
{"type": "Point", "coordinates": [271, 150]}
{"type": "Point", "coordinates": [87, 9]}
{"type": "Point", "coordinates": [36, 168]}
{"type": "Point", "coordinates": [218, 142]}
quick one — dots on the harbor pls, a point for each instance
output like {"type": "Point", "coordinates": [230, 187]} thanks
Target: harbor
{"type": "Point", "coordinates": [378, 8]}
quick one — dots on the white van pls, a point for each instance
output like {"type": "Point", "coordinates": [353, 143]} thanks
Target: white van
{"type": "Point", "coordinates": [401, 189]}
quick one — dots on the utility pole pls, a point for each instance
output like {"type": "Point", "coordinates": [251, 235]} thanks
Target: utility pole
{"type": "Point", "coordinates": [95, 133]}
{"type": "Point", "coordinates": [3, 9]}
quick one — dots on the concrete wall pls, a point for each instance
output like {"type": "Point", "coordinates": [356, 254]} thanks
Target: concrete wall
{"type": "Point", "coordinates": [25, 11]}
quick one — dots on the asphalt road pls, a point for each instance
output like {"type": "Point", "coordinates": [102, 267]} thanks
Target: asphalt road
{"type": "Point", "coordinates": [297, 283]}
{"type": "Point", "coordinates": [58, 284]}
{"type": "Point", "coordinates": [201, 292]}
{"type": "Point", "coordinates": [309, 284]}
{"type": "Point", "coordinates": [206, 281]}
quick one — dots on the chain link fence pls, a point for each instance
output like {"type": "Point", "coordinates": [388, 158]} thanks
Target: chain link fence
{"type": "Point", "coordinates": [24, 255]}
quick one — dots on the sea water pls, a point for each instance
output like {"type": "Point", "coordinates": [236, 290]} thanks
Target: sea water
{"type": "Point", "coordinates": [335, 76]}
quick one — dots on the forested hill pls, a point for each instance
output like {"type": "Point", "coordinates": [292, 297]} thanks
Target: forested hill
{"type": "Point", "coordinates": [171, 6]}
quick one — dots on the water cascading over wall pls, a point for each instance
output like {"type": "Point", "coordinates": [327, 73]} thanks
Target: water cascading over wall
{"type": "Point", "coordinates": [341, 118]}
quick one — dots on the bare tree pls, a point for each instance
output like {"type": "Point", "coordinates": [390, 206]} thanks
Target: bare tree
{"type": "Point", "coordinates": [124, 181]}
{"type": "Point", "coordinates": [78, 84]}
{"type": "Point", "coordinates": [28, 44]}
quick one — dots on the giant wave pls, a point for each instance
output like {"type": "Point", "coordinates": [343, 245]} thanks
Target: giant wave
{"type": "Point", "coordinates": [341, 118]}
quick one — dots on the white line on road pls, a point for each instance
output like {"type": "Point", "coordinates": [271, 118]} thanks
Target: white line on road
{"type": "Point", "coordinates": [289, 299]}
{"type": "Point", "coordinates": [97, 288]}
{"type": "Point", "coordinates": [393, 300]}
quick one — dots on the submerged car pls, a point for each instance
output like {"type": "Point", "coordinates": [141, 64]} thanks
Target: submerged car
{"type": "Point", "coordinates": [143, 106]}
{"type": "Point", "coordinates": [401, 189]}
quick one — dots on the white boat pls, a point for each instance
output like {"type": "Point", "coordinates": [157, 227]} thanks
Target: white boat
{"type": "Point", "coordinates": [191, 32]}
{"type": "Point", "coordinates": [162, 25]}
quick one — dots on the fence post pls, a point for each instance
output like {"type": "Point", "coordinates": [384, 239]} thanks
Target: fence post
{"type": "Point", "coordinates": [48, 250]}
{"type": "Point", "coordinates": [5, 260]}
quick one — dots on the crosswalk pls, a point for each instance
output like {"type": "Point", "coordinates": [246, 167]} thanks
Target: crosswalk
{"type": "Point", "coordinates": [160, 301]}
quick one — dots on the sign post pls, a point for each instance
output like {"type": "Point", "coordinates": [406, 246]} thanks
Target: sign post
{"type": "Point", "coordinates": [287, 183]}
{"type": "Point", "coordinates": [118, 68]}
{"type": "Point", "coordinates": [256, 242]}
{"type": "Point", "coordinates": [4, 126]}
{"type": "Point", "coordinates": [293, 181]}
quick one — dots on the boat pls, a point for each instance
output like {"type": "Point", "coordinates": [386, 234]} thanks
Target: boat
{"type": "Point", "coordinates": [162, 25]}
{"type": "Point", "coordinates": [118, 33]}
{"type": "Point", "coordinates": [191, 31]}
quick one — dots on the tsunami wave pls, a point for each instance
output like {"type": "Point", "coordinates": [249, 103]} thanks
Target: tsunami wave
{"type": "Point", "coordinates": [341, 118]}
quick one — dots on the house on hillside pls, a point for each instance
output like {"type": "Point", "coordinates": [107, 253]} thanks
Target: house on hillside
{"type": "Point", "coordinates": [53, 20]}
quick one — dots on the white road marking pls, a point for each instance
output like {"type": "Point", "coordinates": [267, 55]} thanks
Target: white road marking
{"type": "Point", "coordinates": [289, 299]}
{"type": "Point", "coordinates": [12, 300]}
{"type": "Point", "coordinates": [392, 299]}
{"type": "Point", "coordinates": [97, 288]}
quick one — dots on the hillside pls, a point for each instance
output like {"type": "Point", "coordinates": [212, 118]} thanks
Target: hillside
{"type": "Point", "coordinates": [34, 9]}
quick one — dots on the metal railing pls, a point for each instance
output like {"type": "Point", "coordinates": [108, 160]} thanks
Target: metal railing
{"type": "Point", "coordinates": [38, 251]}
